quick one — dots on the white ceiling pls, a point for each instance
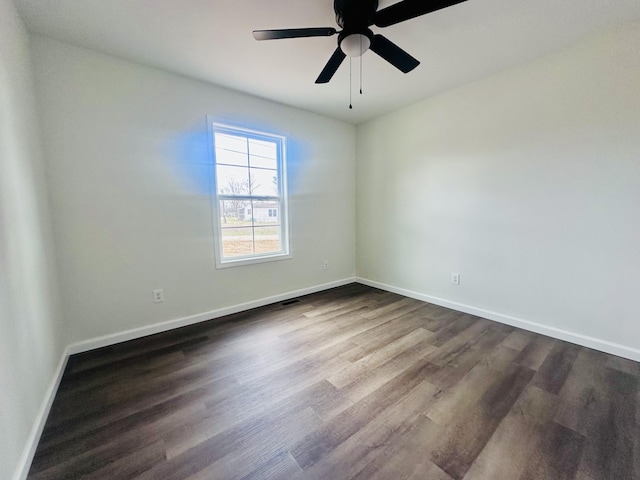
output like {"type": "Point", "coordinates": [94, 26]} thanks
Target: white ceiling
{"type": "Point", "coordinates": [211, 40]}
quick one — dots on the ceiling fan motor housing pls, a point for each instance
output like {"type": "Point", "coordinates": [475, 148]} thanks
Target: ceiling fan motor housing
{"type": "Point", "coordinates": [355, 16]}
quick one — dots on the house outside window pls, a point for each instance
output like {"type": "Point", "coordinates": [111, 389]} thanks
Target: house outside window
{"type": "Point", "coordinates": [250, 201]}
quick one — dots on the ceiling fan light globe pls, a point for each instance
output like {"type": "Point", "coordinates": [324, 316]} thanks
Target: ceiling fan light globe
{"type": "Point", "coordinates": [355, 45]}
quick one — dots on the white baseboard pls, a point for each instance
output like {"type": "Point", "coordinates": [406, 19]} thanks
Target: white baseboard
{"type": "Point", "coordinates": [29, 451]}
{"type": "Point", "coordinates": [134, 333]}
{"type": "Point", "coordinates": [572, 337]}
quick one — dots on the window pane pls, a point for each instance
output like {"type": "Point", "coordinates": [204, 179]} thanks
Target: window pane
{"type": "Point", "coordinates": [263, 162]}
{"type": "Point", "coordinates": [237, 241]}
{"type": "Point", "coordinates": [267, 239]}
{"type": "Point", "coordinates": [232, 180]}
{"type": "Point", "coordinates": [231, 142]}
{"type": "Point", "coordinates": [263, 154]}
{"type": "Point", "coordinates": [231, 158]}
{"type": "Point", "coordinates": [235, 213]}
{"type": "Point", "coordinates": [266, 213]}
{"type": "Point", "coordinates": [264, 182]}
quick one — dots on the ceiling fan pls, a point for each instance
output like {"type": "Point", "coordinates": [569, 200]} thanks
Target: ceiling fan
{"type": "Point", "coordinates": [355, 17]}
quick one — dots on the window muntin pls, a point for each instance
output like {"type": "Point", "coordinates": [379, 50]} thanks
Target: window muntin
{"type": "Point", "coordinates": [251, 203]}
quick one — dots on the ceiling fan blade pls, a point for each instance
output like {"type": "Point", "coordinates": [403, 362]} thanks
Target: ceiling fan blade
{"type": "Point", "coordinates": [393, 54]}
{"type": "Point", "coordinates": [408, 9]}
{"type": "Point", "coordinates": [294, 33]}
{"type": "Point", "coordinates": [331, 67]}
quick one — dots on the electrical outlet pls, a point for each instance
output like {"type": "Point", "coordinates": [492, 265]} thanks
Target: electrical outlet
{"type": "Point", "coordinates": [325, 265]}
{"type": "Point", "coordinates": [455, 278]}
{"type": "Point", "coordinates": [158, 295]}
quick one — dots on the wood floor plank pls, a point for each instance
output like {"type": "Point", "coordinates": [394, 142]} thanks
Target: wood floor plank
{"type": "Point", "coordinates": [518, 435]}
{"type": "Point", "coordinates": [369, 382]}
{"type": "Point", "coordinates": [381, 335]}
{"type": "Point", "coordinates": [601, 404]}
{"type": "Point", "coordinates": [254, 433]}
{"type": "Point", "coordinates": [225, 416]}
{"type": "Point", "coordinates": [458, 399]}
{"type": "Point", "coordinates": [623, 364]}
{"type": "Point", "coordinates": [368, 363]}
{"type": "Point", "coordinates": [88, 381]}
{"type": "Point", "coordinates": [281, 467]}
{"type": "Point", "coordinates": [107, 462]}
{"type": "Point", "coordinates": [406, 459]}
{"type": "Point", "coordinates": [434, 317]}
{"type": "Point", "coordinates": [518, 339]}
{"type": "Point", "coordinates": [461, 443]}
{"type": "Point", "coordinates": [457, 323]}
{"type": "Point", "coordinates": [257, 455]}
{"type": "Point", "coordinates": [396, 309]}
{"type": "Point", "coordinates": [557, 455]}
{"type": "Point", "coordinates": [348, 383]}
{"type": "Point", "coordinates": [609, 446]}
{"type": "Point", "coordinates": [556, 367]}
{"type": "Point", "coordinates": [132, 348]}
{"type": "Point", "coordinates": [132, 465]}
{"type": "Point", "coordinates": [164, 401]}
{"type": "Point", "coordinates": [109, 440]}
{"type": "Point", "coordinates": [299, 349]}
{"type": "Point", "coordinates": [534, 354]}
{"type": "Point", "coordinates": [358, 452]}
{"type": "Point", "coordinates": [322, 441]}
{"type": "Point", "coordinates": [463, 352]}
{"type": "Point", "coordinates": [291, 378]}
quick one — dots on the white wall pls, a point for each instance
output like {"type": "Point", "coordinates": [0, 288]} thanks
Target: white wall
{"type": "Point", "coordinates": [527, 183]}
{"type": "Point", "coordinates": [127, 151]}
{"type": "Point", "coordinates": [30, 343]}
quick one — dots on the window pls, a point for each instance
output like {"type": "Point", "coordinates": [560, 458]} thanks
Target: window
{"type": "Point", "coordinates": [250, 200]}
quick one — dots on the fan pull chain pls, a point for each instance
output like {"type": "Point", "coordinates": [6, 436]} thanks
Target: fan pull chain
{"type": "Point", "coordinates": [361, 54]}
{"type": "Point", "coordinates": [350, 75]}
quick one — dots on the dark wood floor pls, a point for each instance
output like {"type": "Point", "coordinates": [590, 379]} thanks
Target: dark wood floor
{"type": "Point", "coordinates": [349, 383]}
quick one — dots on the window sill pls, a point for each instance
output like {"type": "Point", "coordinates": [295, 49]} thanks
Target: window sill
{"type": "Point", "coordinates": [252, 260]}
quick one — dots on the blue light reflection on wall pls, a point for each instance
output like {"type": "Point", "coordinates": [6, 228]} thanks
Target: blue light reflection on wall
{"type": "Point", "coordinates": [194, 159]}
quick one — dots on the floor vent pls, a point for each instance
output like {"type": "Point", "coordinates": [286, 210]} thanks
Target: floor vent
{"type": "Point", "coordinates": [290, 302]}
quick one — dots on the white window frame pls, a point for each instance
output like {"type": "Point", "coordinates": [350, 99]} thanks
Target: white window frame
{"type": "Point", "coordinates": [285, 251]}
